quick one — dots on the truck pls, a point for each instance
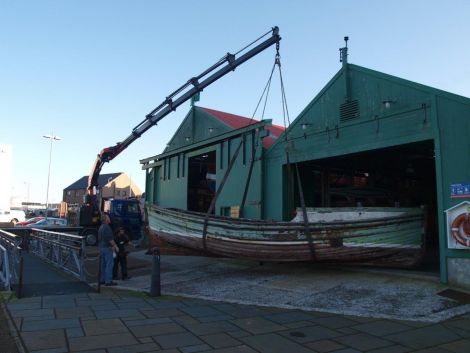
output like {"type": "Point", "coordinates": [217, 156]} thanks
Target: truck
{"type": "Point", "coordinates": [90, 211]}
{"type": "Point", "coordinates": [124, 213]}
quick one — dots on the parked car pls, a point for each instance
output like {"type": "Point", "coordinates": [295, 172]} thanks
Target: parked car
{"type": "Point", "coordinates": [12, 216]}
{"type": "Point", "coordinates": [48, 222]}
{"type": "Point", "coordinates": [29, 221]}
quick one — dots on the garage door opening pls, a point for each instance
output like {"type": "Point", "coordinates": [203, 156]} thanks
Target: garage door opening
{"type": "Point", "coordinates": [401, 176]}
{"type": "Point", "coordinates": [201, 181]}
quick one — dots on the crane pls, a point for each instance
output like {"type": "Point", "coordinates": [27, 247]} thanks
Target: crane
{"type": "Point", "coordinates": [196, 84]}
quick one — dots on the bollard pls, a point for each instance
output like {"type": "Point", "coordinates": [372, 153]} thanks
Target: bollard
{"type": "Point", "coordinates": [155, 287]}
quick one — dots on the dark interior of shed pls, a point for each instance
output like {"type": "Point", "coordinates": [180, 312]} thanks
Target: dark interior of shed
{"type": "Point", "coordinates": [201, 181]}
{"type": "Point", "coordinates": [399, 176]}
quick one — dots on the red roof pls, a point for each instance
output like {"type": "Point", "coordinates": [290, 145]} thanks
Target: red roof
{"type": "Point", "coordinates": [238, 122]}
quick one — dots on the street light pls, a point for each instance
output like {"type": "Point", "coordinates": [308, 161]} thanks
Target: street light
{"type": "Point", "coordinates": [52, 138]}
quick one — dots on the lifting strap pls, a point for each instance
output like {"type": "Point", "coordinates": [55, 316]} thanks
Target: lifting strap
{"type": "Point", "coordinates": [304, 214]}
{"type": "Point", "coordinates": [289, 181]}
{"type": "Point", "coordinates": [234, 158]}
{"type": "Point", "coordinates": [255, 147]}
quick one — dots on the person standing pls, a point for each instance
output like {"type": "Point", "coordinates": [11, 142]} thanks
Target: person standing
{"type": "Point", "coordinates": [121, 239]}
{"type": "Point", "coordinates": [107, 246]}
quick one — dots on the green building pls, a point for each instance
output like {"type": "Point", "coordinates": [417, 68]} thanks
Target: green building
{"type": "Point", "coordinates": [367, 139]}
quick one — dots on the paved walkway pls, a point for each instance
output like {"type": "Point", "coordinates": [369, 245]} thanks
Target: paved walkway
{"type": "Point", "coordinates": [41, 278]}
{"type": "Point", "coordinates": [118, 321]}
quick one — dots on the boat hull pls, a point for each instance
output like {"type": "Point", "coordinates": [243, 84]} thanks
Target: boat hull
{"type": "Point", "coordinates": [394, 240]}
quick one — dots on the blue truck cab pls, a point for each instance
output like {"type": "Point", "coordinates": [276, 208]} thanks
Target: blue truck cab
{"type": "Point", "coordinates": [124, 213]}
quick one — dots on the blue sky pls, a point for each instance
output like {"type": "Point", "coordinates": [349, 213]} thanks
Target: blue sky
{"type": "Point", "coordinates": [89, 71]}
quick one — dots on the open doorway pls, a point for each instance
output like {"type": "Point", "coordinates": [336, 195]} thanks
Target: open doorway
{"type": "Point", "coordinates": [201, 181]}
{"type": "Point", "coordinates": [399, 176]}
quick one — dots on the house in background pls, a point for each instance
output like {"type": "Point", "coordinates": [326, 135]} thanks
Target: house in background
{"type": "Point", "coordinates": [113, 185]}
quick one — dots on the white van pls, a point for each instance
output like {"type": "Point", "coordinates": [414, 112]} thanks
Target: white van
{"type": "Point", "coordinates": [12, 216]}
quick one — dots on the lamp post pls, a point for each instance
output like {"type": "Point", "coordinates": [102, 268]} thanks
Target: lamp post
{"type": "Point", "coordinates": [52, 138]}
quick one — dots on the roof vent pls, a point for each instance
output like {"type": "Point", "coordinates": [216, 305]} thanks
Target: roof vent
{"type": "Point", "coordinates": [349, 111]}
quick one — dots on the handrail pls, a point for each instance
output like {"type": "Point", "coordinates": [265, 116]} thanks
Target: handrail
{"type": "Point", "coordinates": [12, 255]}
{"type": "Point", "coordinates": [62, 250]}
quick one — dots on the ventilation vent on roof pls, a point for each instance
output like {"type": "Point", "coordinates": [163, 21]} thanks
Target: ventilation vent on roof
{"type": "Point", "coordinates": [349, 111]}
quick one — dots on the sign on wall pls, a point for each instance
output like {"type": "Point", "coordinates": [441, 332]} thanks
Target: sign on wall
{"type": "Point", "coordinates": [459, 190]}
{"type": "Point", "coordinates": [458, 226]}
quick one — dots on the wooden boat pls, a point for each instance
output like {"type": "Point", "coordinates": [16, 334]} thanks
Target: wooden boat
{"type": "Point", "coordinates": [376, 236]}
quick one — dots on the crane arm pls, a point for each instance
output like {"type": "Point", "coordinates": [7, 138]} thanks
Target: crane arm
{"type": "Point", "coordinates": [194, 85]}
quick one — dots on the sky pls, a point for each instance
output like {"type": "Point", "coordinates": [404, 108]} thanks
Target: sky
{"type": "Point", "coordinates": [89, 71]}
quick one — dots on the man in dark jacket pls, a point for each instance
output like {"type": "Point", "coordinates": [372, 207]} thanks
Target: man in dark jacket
{"type": "Point", "coordinates": [121, 240]}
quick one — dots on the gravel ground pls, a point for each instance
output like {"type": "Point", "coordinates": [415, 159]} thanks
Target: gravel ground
{"type": "Point", "coordinates": [389, 294]}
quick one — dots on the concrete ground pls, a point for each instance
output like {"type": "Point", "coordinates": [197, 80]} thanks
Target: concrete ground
{"type": "Point", "coordinates": [273, 308]}
{"type": "Point", "coordinates": [119, 321]}
{"type": "Point", "coordinates": [389, 294]}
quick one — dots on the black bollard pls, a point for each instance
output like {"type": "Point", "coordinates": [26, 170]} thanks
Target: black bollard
{"type": "Point", "coordinates": [155, 287]}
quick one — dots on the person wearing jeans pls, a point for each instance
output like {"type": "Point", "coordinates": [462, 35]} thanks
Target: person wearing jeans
{"type": "Point", "coordinates": [107, 246]}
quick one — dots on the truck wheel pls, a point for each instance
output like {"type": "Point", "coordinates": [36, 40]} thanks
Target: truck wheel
{"type": "Point", "coordinates": [91, 237]}
{"type": "Point", "coordinates": [14, 221]}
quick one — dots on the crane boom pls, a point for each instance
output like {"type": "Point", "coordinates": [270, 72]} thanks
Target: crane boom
{"type": "Point", "coordinates": [194, 85]}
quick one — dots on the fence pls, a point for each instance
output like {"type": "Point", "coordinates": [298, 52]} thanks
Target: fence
{"type": "Point", "coordinates": [11, 260]}
{"type": "Point", "coordinates": [63, 250]}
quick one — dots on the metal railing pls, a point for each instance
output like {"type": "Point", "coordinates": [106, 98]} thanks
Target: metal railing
{"type": "Point", "coordinates": [63, 250]}
{"type": "Point", "coordinates": [11, 260]}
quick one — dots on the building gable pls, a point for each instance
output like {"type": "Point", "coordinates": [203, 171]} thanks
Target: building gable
{"type": "Point", "coordinates": [357, 94]}
{"type": "Point", "coordinates": [197, 126]}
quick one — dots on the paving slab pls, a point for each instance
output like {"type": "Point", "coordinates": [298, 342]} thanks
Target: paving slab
{"type": "Point", "coordinates": [75, 312]}
{"type": "Point", "coordinates": [381, 327]}
{"type": "Point", "coordinates": [156, 329]}
{"type": "Point", "coordinates": [424, 337]}
{"type": "Point", "coordinates": [288, 317]}
{"type": "Point", "coordinates": [103, 327]}
{"type": "Point", "coordinates": [257, 325]}
{"type": "Point", "coordinates": [272, 343]}
{"type": "Point", "coordinates": [333, 321]}
{"type": "Point", "coordinates": [119, 313]}
{"type": "Point", "coordinates": [363, 342]}
{"type": "Point", "coordinates": [220, 340]}
{"type": "Point", "coordinates": [177, 340]}
{"type": "Point", "coordinates": [310, 334]}
{"type": "Point", "coordinates": [137, 348]}
{"type": "Point", "coordinates": [101, 341]}
{"type": "Point", "coordinates": [213, 327]}
{"type": "Point", "coordinates": [145, 322]}
{"type": "Point", "coordinates": [194, 349]}
{"type": "Point", "coordinates": [325, 346]}
{"type": "Point", "coordinates": [460, 346]}
{"type": "Point", "coordinates": [46, 339]}
{"type": "Point", "coordinates": [238, 349]}
{"type": "Point", "coordinates": [50, 324]}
